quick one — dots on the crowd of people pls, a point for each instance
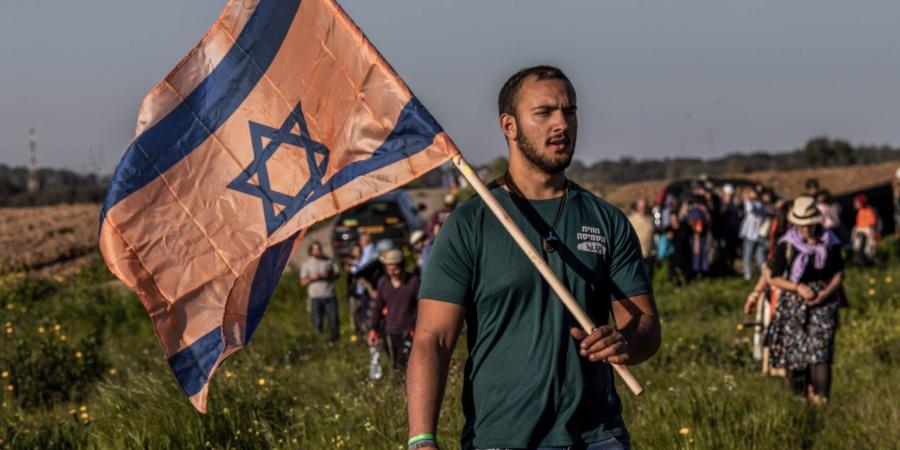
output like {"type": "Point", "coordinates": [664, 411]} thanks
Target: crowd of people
{"type": "Point", "coordinates": [794, 249]}
{"type": "Point", "coordinates": [723, 230]}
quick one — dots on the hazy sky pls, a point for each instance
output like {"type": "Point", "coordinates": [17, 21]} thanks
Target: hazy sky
{"type": "Point", "coordinates": [654, 77]}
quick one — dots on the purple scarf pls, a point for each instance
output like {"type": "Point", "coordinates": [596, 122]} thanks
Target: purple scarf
{"type": "Point", "coordinates": [819, 250]}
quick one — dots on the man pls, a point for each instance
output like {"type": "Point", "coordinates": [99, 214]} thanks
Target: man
{"type": "Point", "coordinates": [317, 275]}
{"type": "Point", "coordinates": [812, 187]}
{"type": "Point", "coordinates": [533, 379]}
{"type": "Point", "coordinates": [417, 242]}
{"type": "Point", "coordinates": [440, 216]}
{"type": "Point", "coordinates": [865, 233]}
{"type": "Point", "coordinates": [730, 216]}
{"type": "Point", "coordinates": [642, 222]}
{"type": "Point", "coordinates": [395, 292]}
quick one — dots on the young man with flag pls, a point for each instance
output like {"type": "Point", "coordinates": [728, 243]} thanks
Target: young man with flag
{"type": "Point", "coordinates": [533, 378]}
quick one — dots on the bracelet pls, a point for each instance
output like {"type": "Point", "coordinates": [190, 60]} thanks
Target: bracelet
{"type": "Point", "coordinates": [423, 443]}
{"type": "Point", "coordinates": [420, 437]}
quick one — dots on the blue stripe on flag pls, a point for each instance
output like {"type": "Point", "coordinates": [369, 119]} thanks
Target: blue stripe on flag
{"type": "Point", "coordinates": [208, 106]}
{"type": "Point", "coordinates": [415, 131]}
{"type": "Point", "coordinates": [193, 364]}
{"type": "Point", "coordinates": [268, 273]}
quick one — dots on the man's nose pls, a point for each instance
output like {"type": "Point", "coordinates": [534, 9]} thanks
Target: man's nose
{"type": "Point", "coordinates": [560, 122]}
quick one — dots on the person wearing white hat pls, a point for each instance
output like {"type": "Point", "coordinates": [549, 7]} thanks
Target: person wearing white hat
{"type": "Point", "coordinates": [808, 268]}
{"type": "Point", "coordinates": [440, 216]}
{"type": "Point", "coordinates": [394, 302]}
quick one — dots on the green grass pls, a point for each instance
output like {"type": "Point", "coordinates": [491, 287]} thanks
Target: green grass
{"type": "Point", "coordinates": [107, 385]}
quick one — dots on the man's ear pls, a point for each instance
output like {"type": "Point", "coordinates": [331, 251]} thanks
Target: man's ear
{"type": "Point", "coordinates": [509, 126]}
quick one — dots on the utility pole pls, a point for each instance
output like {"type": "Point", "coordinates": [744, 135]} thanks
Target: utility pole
{"type": "Point", "coordinates": [33, 184]}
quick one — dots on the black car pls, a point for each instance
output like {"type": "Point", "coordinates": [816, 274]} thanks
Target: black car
{"type": "Point", "coordinates": [391, 216]}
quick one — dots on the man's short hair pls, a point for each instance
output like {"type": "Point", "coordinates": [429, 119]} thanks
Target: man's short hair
{"type": "Point", "coordinates": [507, 99]}
{"type": "Point", "coordinates": [313, 244]}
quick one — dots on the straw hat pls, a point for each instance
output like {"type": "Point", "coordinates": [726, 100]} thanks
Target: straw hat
{"type": "Point", "coordinates": [804, 212]}
{"type": "Point", "coordinates": [392, 256]}
{"type": "Point", "coordinates": [416, 236]}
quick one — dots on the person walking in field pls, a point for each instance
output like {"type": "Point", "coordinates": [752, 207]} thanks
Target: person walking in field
{"type": "Point", "coordinates": [808, 268]}
{"type": "Point", "coordinates": [318, 274]}
{"type": "Point", "coordinates": [754, 247]}
{"type": "Point", "coordinates": [866, 231]}
{"type": "Point", "coordinates": [642, 222]}
{"type": "Point", "coordinates": [394, 292]}
{"type": "Point", "coordinates": [533, 378]}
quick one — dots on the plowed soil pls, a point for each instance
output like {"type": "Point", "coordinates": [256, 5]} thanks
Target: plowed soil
{"type": "Point", "coordinates": [49, 239]}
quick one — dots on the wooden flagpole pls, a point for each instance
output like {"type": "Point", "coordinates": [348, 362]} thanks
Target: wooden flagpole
{"type": "Point", "coordinates": [561, 291]}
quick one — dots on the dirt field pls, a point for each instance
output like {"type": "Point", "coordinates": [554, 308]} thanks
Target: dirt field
{"type": "Point", "coordinates": [51, 239]}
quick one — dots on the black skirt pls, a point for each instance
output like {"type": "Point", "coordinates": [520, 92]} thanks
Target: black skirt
{"type": "Point", "coordinates": [801, 335]}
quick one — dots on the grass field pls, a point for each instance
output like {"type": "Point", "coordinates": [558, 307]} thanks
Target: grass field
{"type": "Point", "coordinates": [81, 368]}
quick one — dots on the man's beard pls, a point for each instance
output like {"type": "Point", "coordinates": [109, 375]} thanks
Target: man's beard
{"type": "Point", "coordinates": [551, 164]}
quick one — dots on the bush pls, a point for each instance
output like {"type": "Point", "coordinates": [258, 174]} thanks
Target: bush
{"type": "Point", "coordinates": [45, 367]}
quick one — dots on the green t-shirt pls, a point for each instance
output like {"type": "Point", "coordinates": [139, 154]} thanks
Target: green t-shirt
{"type": "Point", "coordinates": [525, 383]}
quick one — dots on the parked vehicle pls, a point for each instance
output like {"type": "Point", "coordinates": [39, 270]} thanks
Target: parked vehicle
{"type": "Point", "coordinates": [391, 216]}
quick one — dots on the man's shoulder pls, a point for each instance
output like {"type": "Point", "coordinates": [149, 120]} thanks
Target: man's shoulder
{"type": "Point", "coordinates": [468, 211]}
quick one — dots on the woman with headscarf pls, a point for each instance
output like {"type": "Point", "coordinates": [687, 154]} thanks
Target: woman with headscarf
{"type": "Point", "coordinates": [808, 268]}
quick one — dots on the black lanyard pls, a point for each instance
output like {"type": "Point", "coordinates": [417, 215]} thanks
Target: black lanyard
{"type": "Point", "coordinates": [549, 241]}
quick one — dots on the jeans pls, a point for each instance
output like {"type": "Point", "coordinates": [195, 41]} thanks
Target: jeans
{"type": "Point", "coordinates": [753, 248]}
{"type": "Point", "coordinates": [609, 444]}
{"type": "Point", "coordinates": [326, 306]}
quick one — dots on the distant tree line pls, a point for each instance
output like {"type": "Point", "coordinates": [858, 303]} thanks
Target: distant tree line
{"type": "Point", "coordinates": [55, 186]}
{"type": "Point", "coordinates": [818, 152]}
{"type": "Point", "coordinates": [66, 186]}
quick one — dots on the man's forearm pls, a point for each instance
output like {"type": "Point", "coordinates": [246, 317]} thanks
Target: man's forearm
{"type": "Point", "coordinates": [643, 339]}
{"type": "Point", "coordinates": [426, 378]}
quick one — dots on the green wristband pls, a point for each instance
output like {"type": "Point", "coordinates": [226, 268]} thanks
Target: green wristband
{"type": "Point", "coordinates": [421, 437]}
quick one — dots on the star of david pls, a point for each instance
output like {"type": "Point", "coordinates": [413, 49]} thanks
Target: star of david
{"type": "Point", "coordinates": [291, 203]}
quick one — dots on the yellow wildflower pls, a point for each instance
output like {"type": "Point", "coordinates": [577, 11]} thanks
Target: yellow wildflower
{"type": "Point", "coordinates": [353, 338]}
{"type": "Point", "coordinates": [10, 306]}
{"type": "Point", "coordinates": [684, 431]}
{"type": "Point", "coordinates": [740, 326]}
{"type": "Point", "coordinates": [888, 279]}
{"type": "Point", "coordinates": [83, 408]}
{"type": "Point", "coordinates": [10, 387]}
{"type": "Point", "coordinates": [261, 381]}
{"type": "Point", "coordinates": [40, 330]}
{"type": "Point", "coordinates": [78, 355]}
{"type": "Point", "coordinates": [229, 374]}
{"type": "Point", "coordinates": [9, 330]}
{"type": "Point", "coordinates": [62, 337]}
{"type": "Point", "coordinates": [4, 374]}
{"type": "Point", "coordinates": [872, 280]}
{"type": "Point", "coordinates": [85, 416]}
{"type": "Point", "coordinates": [56, 327]}
{"type": "Point", "coordinates": [113, 371]}
{"type": "Point", "coordinates": [871, 292]}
